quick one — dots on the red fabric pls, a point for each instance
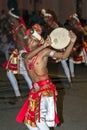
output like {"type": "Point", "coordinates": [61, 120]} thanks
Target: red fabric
{"type": "Point", "coordinates": [11, 66]}
{"type": "Point", "coordinates": [56, 119]}
{"type": "Point", "coordinates": [31, 114]}
{"type": "Point", "coordinates": [79, 24]}
{"type": "Point", "coordinates": [5, 64]}
{"type": "Point", "coordinates": [51, 20]}
{"type": "Point", "coordinates": [80, 58]}
{"type": "Point", "coordinates": [37, 27]}
{"type": "Point", "coordinates": [28, 32]}
{"type": "Point", "coordinates": [27, 49]}
{"type": "Point", "coordinates": [22, 21]}
{"type": "Point", "coordinates": [21, 114]}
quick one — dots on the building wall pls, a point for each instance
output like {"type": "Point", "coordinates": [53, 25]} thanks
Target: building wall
{"type": "Point", "coordinates": [66, 8]}
{"type": "Point", "coordinates": [61, 8]}
{"type": "Point", "coordinates": [84, 9]}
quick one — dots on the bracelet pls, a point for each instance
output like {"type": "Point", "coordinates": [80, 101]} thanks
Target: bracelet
{"type": "Point", "coordinates": [52, 54]}
{"type": "Point", "coordinates": [24, 55]}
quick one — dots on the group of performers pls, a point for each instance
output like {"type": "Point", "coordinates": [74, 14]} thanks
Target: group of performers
{"type": "Point", "coordinates": [30, 59]}
{"type": "Point", "coordinates": [79, 52]}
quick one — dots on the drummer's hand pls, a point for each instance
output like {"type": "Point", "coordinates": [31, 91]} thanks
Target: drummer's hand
{"type": "Point", "coordinates": [47, 42]}
{"type": "Point", "coordinates": [72, 36]}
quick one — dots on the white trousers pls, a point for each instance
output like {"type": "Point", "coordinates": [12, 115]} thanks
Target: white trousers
{"type": "Point", "coordinates": [40, 126]}
{"type": "Point", "coordinates": [47, 114]}
{"type": "Point", "coordinates": [71, 66]}
{"type": "Point", "coordinates": [14, 82]}
{"type": "Point", "coordinates": [66, 69]}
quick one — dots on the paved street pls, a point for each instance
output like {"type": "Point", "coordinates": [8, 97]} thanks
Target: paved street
{"type": "Point", "coordinates": [72, 101]}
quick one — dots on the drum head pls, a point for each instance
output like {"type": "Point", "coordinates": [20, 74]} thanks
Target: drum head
{"type": "Point", "coordinates": [60, 38]}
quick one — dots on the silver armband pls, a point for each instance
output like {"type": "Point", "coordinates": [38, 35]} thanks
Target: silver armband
{"type": "Point", "coordinates": [25, 37]}
{"type": "Point", "coordinates": [52, 54]}
{"type": "Point", "coordinates": [21, 53]}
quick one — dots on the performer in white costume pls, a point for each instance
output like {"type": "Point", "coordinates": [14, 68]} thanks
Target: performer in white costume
{"type": "Point", "coordinates": [79, 51]}
{"type": "Point", "coordinates": [15, 63]}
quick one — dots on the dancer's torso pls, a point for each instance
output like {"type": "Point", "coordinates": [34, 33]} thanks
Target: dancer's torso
{"type": "Point", "coordinates": [37, 68]}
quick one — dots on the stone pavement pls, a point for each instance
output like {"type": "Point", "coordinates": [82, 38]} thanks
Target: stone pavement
{"type": "Point", "coordinates": [72, 102]}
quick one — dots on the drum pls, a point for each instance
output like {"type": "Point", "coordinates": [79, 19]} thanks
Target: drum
{"type": "Point", "coordinates": [60, 38]}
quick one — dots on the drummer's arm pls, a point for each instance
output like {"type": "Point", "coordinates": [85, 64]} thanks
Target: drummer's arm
{"type": "Point", "coordinates": [68, 50]}
{"type": "Point", "coordinates": [32, 53]}
{"type": "Point", "coordinates": [70, 46]}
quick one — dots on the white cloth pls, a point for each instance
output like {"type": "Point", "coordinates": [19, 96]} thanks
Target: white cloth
{"type": "Point", "coordinates": [14, 83]}
{"type": "Point", "coordinates": [40, 126]}
{"type": "Point", "coordinates": [47, 110]}
{"type": "Point", "coordinates": [47, 115]}
{"type": "Point", "coordinates": [66, 69]}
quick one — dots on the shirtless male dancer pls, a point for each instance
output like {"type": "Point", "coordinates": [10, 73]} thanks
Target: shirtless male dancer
{"type": "Point", "coordinates": [39, 110]}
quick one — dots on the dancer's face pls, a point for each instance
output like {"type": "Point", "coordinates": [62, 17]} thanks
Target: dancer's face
{"type": "Point", "coordinates": [33, 42]}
